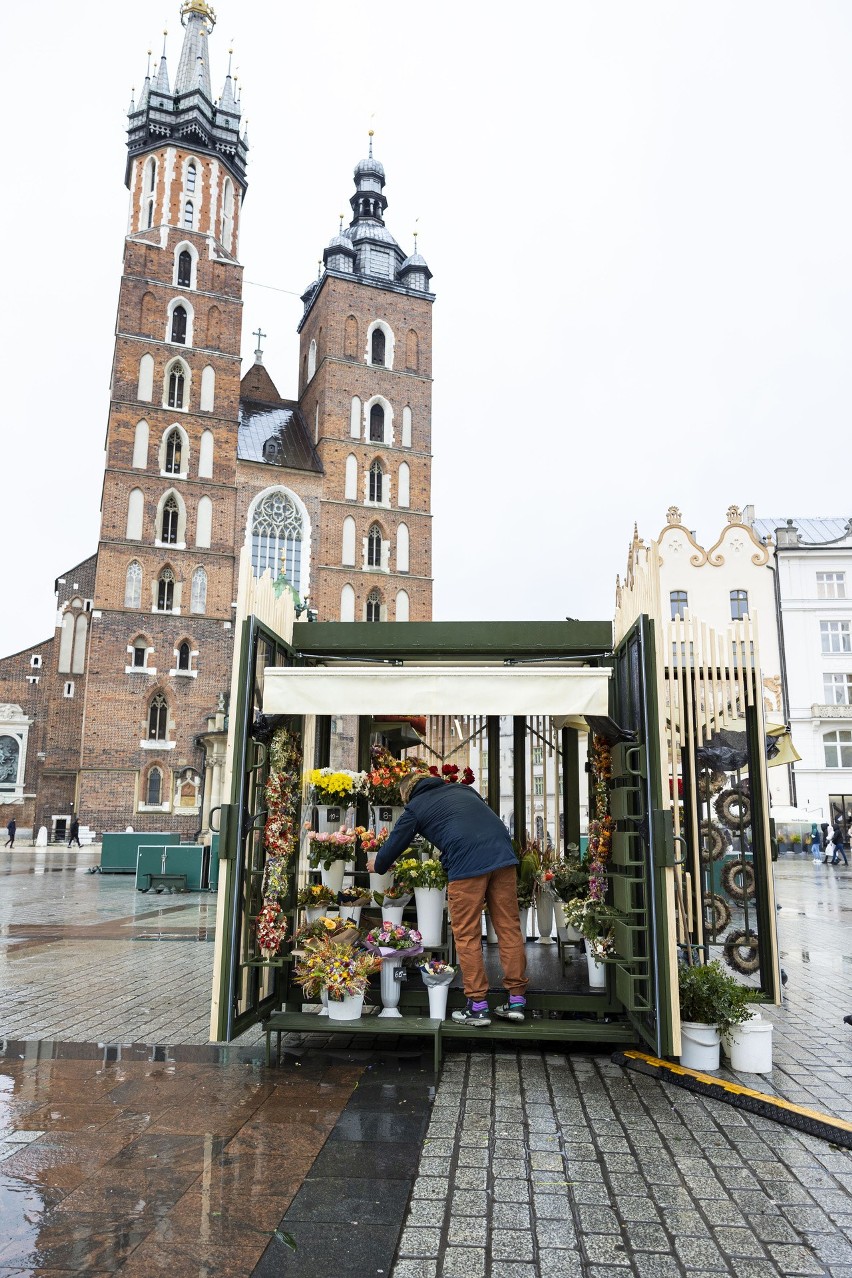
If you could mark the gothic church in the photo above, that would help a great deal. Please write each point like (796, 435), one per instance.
(120, 715)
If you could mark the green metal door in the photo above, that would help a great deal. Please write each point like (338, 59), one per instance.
(249, 989)
(642, 849)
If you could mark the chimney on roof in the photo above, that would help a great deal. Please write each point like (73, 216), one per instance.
(787, 536)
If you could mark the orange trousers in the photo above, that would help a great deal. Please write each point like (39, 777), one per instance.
(466, 897)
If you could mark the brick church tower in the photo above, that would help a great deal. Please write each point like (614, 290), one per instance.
(365, 390)
(161, 636)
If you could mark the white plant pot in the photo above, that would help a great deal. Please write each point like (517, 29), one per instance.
(544, 918)
(490, 934)
(332, 817)
(314, 912)
(385, 815)
(430, 913)
(573, 935)
(348, 1008)
(524, 917)
(700, 1045)
(333, 876)
(393, 914)
(597, 972)
(438, 1001)
(749, 1046)
(390, 986)
(381, 882)
(351, 912)
(324, 1000)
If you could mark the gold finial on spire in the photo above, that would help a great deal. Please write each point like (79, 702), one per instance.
(340, 231)
(202, 8)
(370, 136)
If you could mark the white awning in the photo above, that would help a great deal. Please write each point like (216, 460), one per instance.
(381, 690)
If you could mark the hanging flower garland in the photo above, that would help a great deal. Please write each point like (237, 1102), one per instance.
(281, 833)
(601, 828)
(271, 929)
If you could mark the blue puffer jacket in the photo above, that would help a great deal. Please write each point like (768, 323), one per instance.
(471, 838)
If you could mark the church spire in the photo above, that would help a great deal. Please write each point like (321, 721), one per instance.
(194, 67)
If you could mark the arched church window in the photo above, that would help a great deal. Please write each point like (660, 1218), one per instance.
(377, 419)
(188, 215)
(179, 325)
(374, 547)
(190, 178)
(377, 347)
(154, 789)
(177, 386)
(174, 446)
(169, 528)
(377, 482)
(374, 606)
(158, 719)
(133, 585)
(183, 656)
(140, 653)
(165, 591)
(198, 594)
(276, 537)
(184, 275)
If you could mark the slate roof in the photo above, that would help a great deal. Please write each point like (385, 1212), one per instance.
(264, 416)
(812, 532)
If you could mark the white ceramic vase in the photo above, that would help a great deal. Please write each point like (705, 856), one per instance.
(438, 1001)
(390, 986)
(430, 914)
(348, 1008)
(597, 971)
(393, 914)
(333, 876)
(544, 918)
(524, 918)
(381, 882)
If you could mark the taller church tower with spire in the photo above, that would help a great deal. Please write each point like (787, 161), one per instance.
(162, 610)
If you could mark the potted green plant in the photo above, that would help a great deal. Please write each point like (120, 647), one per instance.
(596, 921)
(712, 1002)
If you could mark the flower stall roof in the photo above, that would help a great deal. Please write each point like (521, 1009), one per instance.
(385, 690)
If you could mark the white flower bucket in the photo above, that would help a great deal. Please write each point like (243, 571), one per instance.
(390, 986)
(490, 933)
(430, 913)
(393, 914)
(324, 1000)
(333, 876)
(597, 971)
(351, 912)
(314, 912)
(331, 817)
(438, 1001)
(544, 918)
(381, 882)
(385, 814)
(700, 1045)
(348, 1008)
(749, 1046)
(524, 916)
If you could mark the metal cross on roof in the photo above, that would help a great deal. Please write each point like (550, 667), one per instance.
(258, 353)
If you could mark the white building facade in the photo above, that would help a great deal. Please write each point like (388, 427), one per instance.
(814, 570)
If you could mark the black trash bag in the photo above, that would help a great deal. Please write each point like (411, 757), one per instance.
(265, 726)
(612, 733)
(727, 751)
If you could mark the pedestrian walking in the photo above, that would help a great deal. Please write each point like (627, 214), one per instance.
(10, 830)
(838, 845)
(75, 833)
(481, 867)
(827, 836)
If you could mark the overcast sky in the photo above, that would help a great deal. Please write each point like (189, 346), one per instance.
(637, 215)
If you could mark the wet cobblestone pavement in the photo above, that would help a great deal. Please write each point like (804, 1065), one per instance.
(128, 1145)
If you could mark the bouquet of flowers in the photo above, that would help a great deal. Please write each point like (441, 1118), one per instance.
(325, 849)
(394, 938)
(336, 968)
(271, 928)
(596, 920)
(398, 895)
(526, 894)
(452, 773)
(336, 786)
(413, 873)
(372, 840)
(323, 929)
(314, 895)
(570, 877)
(386, 774)
(354, 896)
(275, 878)
(434, 972)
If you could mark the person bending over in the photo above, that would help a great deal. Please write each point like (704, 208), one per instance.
(481, 866)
